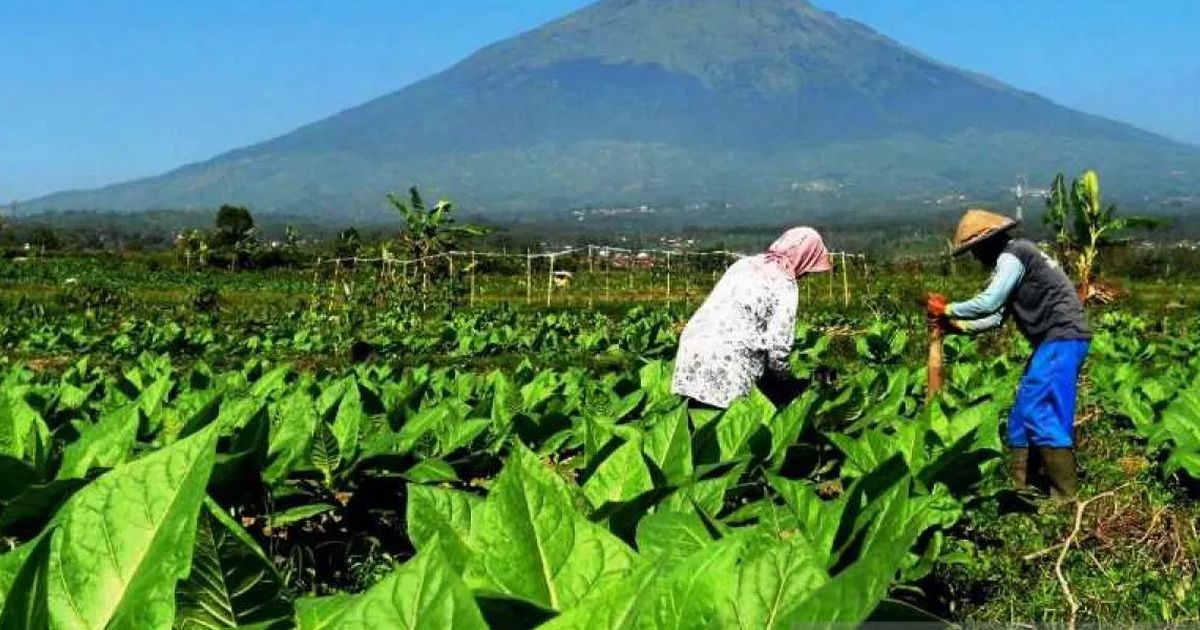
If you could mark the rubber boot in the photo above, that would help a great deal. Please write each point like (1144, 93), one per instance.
(1018, 467)
(1060, 468)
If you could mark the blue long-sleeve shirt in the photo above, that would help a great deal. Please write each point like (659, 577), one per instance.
(986, 311)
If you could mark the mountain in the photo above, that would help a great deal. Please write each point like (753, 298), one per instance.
(766, 104)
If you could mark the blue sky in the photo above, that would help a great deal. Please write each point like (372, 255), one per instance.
(98, 92)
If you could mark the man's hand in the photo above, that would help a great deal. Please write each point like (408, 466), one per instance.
(935, 305)
(953, 326)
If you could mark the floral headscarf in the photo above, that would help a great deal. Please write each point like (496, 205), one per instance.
(799, 251)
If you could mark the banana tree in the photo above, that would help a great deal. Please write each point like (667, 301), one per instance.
(195, 246)
(429, 232)
(1094, 224)
(1082, 226)
(1058, 211)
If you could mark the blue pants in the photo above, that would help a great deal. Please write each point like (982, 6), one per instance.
(1044, 411)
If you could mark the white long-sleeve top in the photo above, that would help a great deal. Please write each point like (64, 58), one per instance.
(746, 325)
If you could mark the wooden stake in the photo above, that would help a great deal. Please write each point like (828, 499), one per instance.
(845, 281)
(607, 269)
(687, 283)
(550, 281)
(668, 278)
(832, 261)
(528, 277)
(472, 279)
(936, 335)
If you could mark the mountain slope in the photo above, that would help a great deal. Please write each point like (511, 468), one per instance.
(673, 101)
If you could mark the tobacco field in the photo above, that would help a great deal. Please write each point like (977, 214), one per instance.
(501, 467)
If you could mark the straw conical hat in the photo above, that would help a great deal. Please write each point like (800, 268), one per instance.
(978, 226)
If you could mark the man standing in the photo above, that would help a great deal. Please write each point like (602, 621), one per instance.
(1030, 287)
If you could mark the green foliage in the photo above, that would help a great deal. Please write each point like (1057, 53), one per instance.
(427, 232)
(456, 486)
(349, 243)
(232, 583)
(119, 546)
(1082, 225)
(1058, 213)
(233, 225)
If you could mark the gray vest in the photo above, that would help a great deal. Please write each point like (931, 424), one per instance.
(1045, 305)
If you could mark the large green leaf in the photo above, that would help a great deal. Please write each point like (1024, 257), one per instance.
(425, 593)
(787, 426)
(17, 422)
(816, 520)
(151, 401)
(291, 434)
(655, 378)
(689, 595)
(668, 443)
(708, 494)
(431, 471)
(864, 453)
(23, 586)
(103, 445)
(596, 434)
(738, 424)
(534, 545)
(622, 476)
(348, 422)
(423, 423)
(320, 613)
(271, 382)
(671, 535)
(614, 607)
(232, 583)
(850, 597)
(125, 540)
(772, 584)
(446, 515)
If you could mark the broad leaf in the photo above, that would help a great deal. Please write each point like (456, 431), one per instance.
(535, 546)
(689, 595)
(291, 435)
(320, 613)
(668, 444)
(431, 471)
(615, 607)
(788, 425)
(773, 583)
(23, 586)
(671, 535)
(743, 419)
(103, 445)
(231, 583)
(17, 420)
(349, 420)
(446, 515)
(621, 477)
(816, 520)
(126, 539)
(850, 597)
(425, 593)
